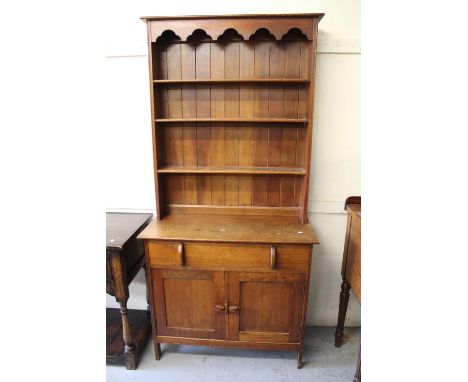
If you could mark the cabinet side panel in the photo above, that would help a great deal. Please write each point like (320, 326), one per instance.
(302, 113)
(312, 54)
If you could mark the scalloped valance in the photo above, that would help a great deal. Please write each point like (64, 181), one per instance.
(245, 26)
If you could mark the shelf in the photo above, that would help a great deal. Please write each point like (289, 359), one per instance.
(235, 81)
(254, 120)
(231, 170)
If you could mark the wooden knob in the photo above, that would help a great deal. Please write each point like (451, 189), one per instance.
(273, 257)
(180, 251)
(233, 308)
(221, 308)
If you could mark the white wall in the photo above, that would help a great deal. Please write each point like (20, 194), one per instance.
(336, 138)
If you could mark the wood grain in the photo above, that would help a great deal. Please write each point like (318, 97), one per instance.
(230, 228)
(230, 170)
(229, 256)
(234, 80)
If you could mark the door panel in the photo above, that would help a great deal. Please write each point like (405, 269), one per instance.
(264, 305)
(185, 303)
(270, 306)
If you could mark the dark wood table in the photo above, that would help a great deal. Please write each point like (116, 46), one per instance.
(350, 270)
(127, 330)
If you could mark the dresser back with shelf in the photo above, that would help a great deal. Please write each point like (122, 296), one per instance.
(232, 100)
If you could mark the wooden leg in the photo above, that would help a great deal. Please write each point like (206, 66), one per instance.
(148, 307)
(130, 355)
(357, 374)
(157, 346)
(157, 351)
(299, 358)
(344, 298)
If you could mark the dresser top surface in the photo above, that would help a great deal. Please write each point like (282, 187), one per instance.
(230, 228)
(246, 16)
(120, 227)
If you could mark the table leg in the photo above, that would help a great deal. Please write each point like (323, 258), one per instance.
(130, 355)
(344, 298)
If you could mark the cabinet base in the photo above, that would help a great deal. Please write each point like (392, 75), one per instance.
(232, 344)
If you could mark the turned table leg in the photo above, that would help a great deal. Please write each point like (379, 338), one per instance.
(344, 298)
(130, 356)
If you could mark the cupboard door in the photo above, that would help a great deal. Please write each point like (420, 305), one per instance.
(185, 302)
(265, 307)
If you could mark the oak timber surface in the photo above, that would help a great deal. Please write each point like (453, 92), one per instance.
(355, 208)
(230, 228)
(246, 16)
(121, 226)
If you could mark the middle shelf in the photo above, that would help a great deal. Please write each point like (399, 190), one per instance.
(231, 170)
(253, 120)
(233, 81)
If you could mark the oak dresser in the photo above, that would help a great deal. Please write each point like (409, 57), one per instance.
(229, 253)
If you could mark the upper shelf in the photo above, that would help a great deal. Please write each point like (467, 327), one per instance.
(231, 170)
(235, 81)
(253, 120)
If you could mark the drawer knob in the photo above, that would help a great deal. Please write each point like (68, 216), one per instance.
(273, 257)
(180, 251)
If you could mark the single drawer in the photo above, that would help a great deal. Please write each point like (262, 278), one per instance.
(208, 255)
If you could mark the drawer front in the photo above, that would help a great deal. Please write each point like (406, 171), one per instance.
(207, 255)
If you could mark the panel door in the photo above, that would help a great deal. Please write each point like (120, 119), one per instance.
(185, 303)
(265, 307)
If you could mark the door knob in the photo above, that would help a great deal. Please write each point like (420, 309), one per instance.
(221, 308)
(233, 308)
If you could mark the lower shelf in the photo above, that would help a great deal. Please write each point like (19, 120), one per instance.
(140, 327)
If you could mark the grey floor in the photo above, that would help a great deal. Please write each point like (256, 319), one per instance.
(323, 362)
